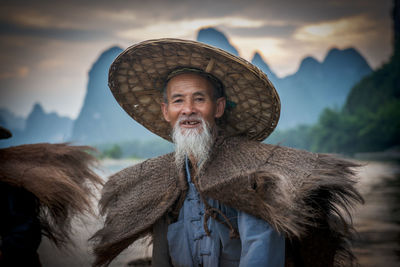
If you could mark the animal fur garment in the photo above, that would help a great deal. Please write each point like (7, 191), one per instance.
(59, 175)
(303, 195)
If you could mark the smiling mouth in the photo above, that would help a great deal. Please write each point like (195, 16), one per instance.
(190, 123)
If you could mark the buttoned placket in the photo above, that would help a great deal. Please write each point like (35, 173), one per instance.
(201, 242)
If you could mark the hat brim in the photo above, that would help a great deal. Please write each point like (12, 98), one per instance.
(137, 77)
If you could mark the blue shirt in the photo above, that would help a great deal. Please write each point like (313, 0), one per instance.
(259, 243)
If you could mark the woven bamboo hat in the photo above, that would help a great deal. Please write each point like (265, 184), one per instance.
(138, 75)
(4, 133)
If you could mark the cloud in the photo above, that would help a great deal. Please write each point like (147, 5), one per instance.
(20, 72)
(51, 63)
(371, 37)
(269, 29)
(85, 20)
(266, 45)
(105, 14)
(185, 27)
(353, 30)
(10, 29)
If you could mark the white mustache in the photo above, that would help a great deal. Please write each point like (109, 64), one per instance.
(190, 117)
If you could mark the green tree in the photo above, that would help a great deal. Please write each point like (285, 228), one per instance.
(114, 152)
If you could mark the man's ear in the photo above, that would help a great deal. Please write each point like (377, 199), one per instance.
(221, 103)
(164, 108)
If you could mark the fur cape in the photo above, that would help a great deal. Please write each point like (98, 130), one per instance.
(60, 177)
(303, 195)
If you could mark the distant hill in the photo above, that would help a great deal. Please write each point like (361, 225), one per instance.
(10, 120)
(40, 127)
(46, 127)
(370, 118)
(369, 121)
(216, 38)
(376, 90)
(262, 65)
(101, 119)
(315, 85)
(318, 85)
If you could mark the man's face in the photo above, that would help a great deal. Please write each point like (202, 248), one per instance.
(190, 96)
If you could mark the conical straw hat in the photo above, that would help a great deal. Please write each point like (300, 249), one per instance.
(138, 75)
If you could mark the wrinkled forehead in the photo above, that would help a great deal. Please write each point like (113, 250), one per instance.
(215, 84)
(189, 80)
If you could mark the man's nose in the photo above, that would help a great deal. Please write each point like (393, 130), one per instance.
(188, 108)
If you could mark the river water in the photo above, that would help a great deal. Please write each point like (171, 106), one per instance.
(377, 223)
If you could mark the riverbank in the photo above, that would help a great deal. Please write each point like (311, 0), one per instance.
(378, 221)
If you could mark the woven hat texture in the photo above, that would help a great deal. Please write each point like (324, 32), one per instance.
(138, 75)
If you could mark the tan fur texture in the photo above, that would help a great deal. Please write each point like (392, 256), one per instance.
(59, 175)
(301, 194)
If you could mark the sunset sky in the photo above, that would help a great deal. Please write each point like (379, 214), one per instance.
(47, 47)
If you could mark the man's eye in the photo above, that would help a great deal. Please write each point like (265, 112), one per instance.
(177, 101)
(199, 99)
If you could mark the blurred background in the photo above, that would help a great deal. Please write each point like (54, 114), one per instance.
(335, 65)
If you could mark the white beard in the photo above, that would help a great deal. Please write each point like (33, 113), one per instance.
(192, 142)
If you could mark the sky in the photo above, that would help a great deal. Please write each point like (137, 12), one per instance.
(48, 47)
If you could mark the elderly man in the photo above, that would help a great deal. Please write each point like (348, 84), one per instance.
(222, 198)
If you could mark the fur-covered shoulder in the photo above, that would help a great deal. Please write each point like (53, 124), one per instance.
(281, 177)
(133, 200)
(133, 178)
(304, 195)
(60, 177)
